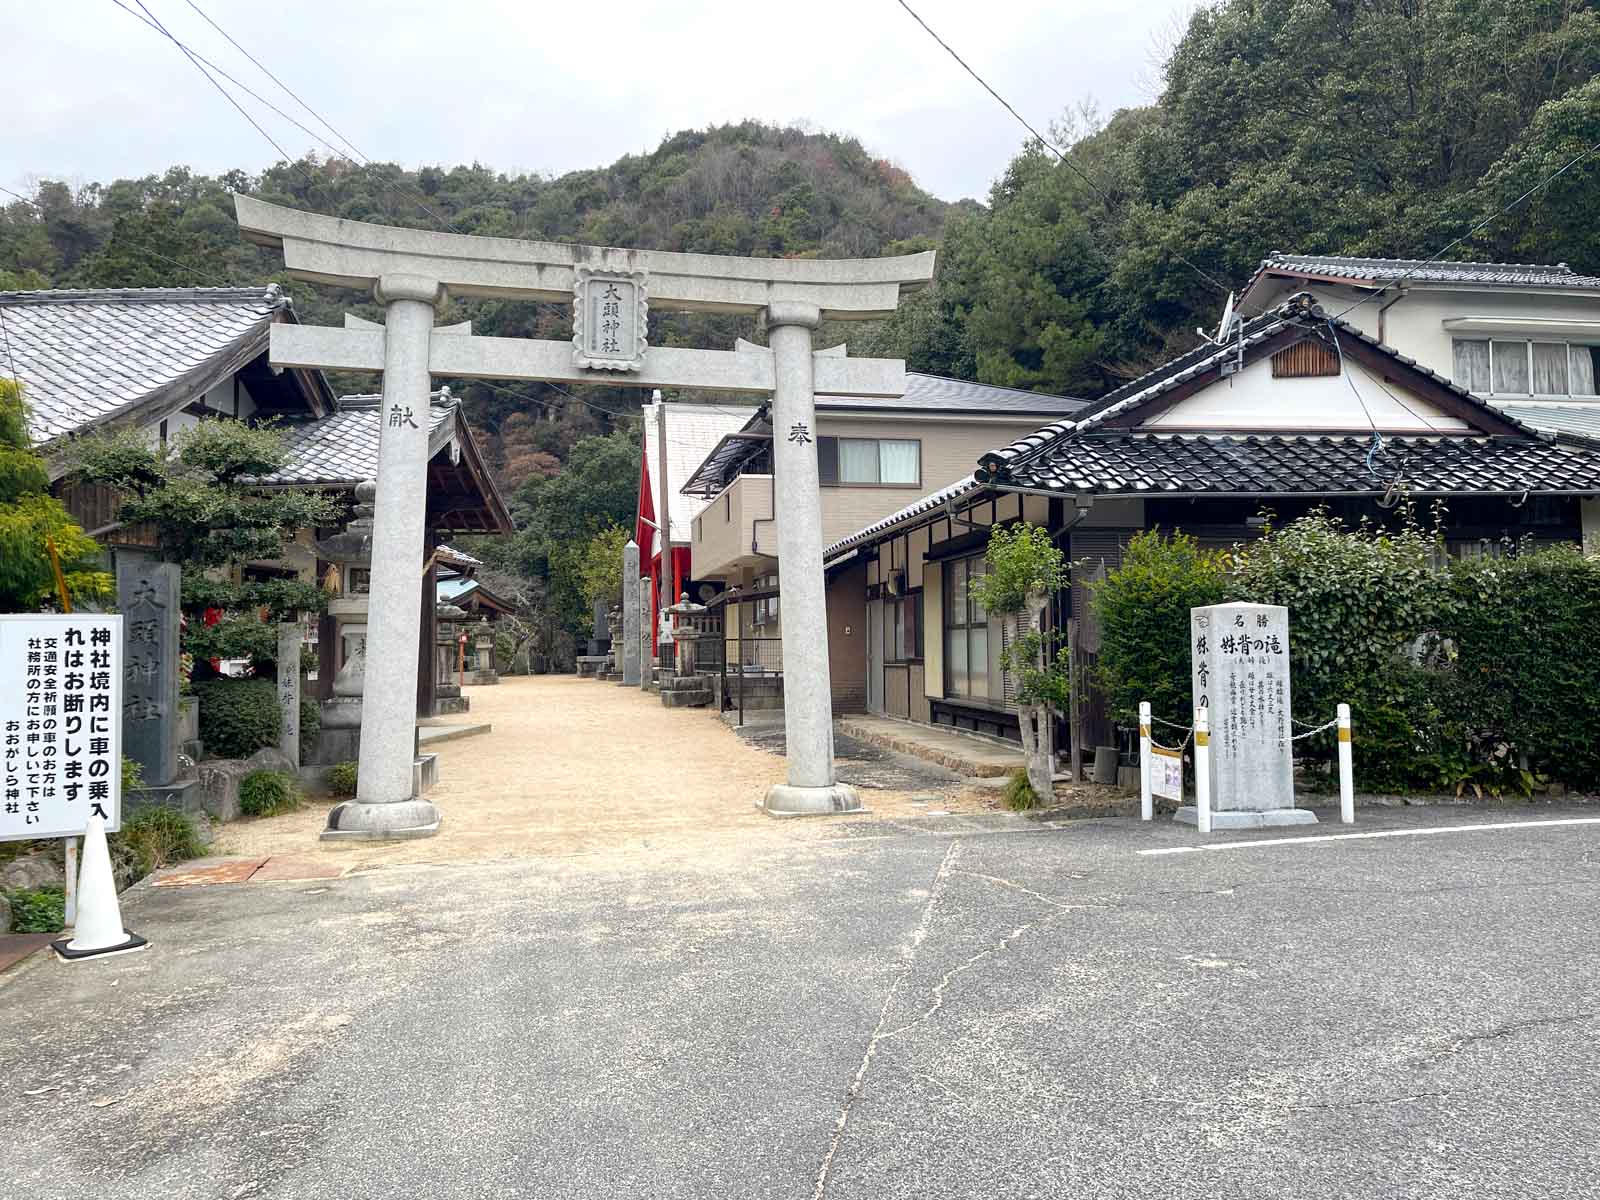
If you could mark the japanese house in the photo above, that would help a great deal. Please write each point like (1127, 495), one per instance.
(1524, 337)
(873, 456)
(1298, 408)
(159, 360)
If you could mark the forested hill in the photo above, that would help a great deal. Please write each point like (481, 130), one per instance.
(1366, 127)
(748, 189)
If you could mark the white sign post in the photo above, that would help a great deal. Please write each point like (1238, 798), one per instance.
(60, 724)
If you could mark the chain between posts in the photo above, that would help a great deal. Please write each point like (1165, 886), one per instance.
(1188, 732)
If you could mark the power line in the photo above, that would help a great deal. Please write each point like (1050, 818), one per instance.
(1045, 142)
(366, 163)
(201, 64)
(1478, 228)
(262, 67)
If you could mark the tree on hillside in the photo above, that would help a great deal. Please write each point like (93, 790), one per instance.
(31, 519)
(558, 516)
(1383, 128)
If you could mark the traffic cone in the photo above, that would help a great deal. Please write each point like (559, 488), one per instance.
(99, 927)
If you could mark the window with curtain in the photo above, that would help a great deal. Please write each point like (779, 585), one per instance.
(869, 460)
(902, 628)
(966, 632)
(1525, 367)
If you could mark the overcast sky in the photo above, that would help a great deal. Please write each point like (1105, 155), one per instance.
(525, 85)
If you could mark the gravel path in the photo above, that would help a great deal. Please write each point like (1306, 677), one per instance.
(576, 766)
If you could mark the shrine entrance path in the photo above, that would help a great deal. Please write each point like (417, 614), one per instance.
(581, 767)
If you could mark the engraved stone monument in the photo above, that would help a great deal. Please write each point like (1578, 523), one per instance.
(1240, 666)
(290, 636)
(630, 614)
(147, 594)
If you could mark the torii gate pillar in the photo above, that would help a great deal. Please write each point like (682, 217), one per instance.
(386, 804)
(807, 691)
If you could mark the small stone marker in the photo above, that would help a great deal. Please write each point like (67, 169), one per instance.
(1240, 665)
(147, 594)
(630, 614)
(290, 635)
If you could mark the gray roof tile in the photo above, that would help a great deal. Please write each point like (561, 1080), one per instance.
(342, 449)
(1386, 270)
(85, 357)
(935, 393)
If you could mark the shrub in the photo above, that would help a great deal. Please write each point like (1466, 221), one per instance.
(342, 779)
(152, 837)
(38, 910)
(237, 716)
(132, 776)
(268, 793)
(1478, 675)
(310, 726)
(1526, 635)
(1018, 793)
(1143, 611)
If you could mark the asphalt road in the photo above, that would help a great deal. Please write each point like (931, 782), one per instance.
(909, 1011)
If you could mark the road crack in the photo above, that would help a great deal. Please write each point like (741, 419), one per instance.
(918, 936)
(1506, 1030)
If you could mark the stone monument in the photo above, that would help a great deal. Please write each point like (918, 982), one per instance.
(147, 595)
(290, 636)
(1240, 666)
(612, 290)
(630, 614)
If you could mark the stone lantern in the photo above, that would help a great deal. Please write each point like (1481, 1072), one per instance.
(446, 650)
(349, 582)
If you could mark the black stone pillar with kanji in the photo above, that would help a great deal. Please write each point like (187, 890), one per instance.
(147, 596)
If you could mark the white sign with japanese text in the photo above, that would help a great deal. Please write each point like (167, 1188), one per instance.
(60, 724)
(1241, 675)
(1166, 773)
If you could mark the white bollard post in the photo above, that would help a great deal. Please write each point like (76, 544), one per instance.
(1146, 801)
(1347, 783)
(1202, 769)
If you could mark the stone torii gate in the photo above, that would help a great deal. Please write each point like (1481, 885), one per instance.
(411, 272)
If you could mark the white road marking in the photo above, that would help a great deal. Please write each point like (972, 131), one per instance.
(1377, 833)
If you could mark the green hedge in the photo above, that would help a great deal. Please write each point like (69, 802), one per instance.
(237, 716)
(1477, 675)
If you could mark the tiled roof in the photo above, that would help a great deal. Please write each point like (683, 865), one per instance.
(1386, 270)
(916, 508)
(343, 448)
(1297, 311)
(1578, 420)
(1153, 464)
(693, 430)
(458, 557)
(85, 357)
(935, 393)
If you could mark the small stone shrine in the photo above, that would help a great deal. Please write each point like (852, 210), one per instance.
(1240, 665)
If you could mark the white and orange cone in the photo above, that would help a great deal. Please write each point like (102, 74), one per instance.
(99, 928)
